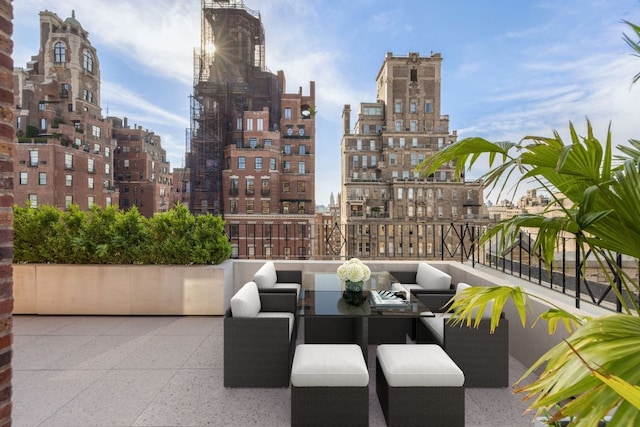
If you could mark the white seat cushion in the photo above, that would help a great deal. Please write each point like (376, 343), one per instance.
(266, 276)
(435, 325)
(276, 314)
(246, 302)
(295, 286)
(419, 365)
(431, 278)
(486, 314)
(329, 365)
(410, 286)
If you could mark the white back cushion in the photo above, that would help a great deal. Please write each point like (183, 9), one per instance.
(266, 276)
(431, 278)
(488, 309)
(246, 302)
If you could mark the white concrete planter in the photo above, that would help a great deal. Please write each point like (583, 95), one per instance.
(122, 289)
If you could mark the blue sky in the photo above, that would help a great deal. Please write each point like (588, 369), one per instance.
(510, 68)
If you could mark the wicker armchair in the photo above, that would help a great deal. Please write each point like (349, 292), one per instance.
(271, 280)
(259, 344)
(483, 356)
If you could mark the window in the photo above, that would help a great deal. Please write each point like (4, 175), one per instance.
(410, 194)
(249, 124)
(43, 124)
(59, 52)
(355, 161)
(285, 207)
(68, 161)
(107, 168)
(90, 182)
(287, 166)
(272, 164)
(302, 149)
(390, 142)
(414, 75)
(286, 186)
(259, 124)
(87, 95)
(41, 106)
(33, 200)
(374, 161)
(364, 162)
(365, 129)
(400, 193)
(233, 206)
(258, 163)
(398, 125)
(241, 162)
(266, 184)
(440, 142)
(301, 167)
(125, 163)
(249, 205)
(87, 61)
(413, 126)
(90, 201)
(428, 107)
(301, 210)
(68, 180)
(96, 132)
(287, 113)
(414, 159)
(392, 159)
(233, 186)
(397, 107)
(268, 142)
(23, 178)
(405, 174)
(372, 144)
(265, 206)
(42, 178)
(413, 107)
(470, 195)
(107, 152)
(300, 130)
(239, 123)
(302, 187)
(402, 142)
(250, 187)
(414, 142)
(287, 149)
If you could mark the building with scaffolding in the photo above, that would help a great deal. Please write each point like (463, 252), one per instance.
(250, 149)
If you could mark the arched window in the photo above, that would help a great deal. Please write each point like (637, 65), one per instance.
(59, 52)
(87, 61)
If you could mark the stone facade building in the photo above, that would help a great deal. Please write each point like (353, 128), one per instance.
(65, 150)
(252, 145)
(141, 169)
(387, 208)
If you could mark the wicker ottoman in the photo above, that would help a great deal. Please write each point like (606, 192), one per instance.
(419, 385)
(329, 386)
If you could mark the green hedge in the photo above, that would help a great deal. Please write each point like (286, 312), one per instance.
(111, 236)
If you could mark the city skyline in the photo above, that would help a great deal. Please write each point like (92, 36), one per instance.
(509, 69)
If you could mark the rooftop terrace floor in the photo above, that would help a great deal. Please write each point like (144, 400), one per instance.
(168, 371)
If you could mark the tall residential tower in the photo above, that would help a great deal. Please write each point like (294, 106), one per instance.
(388, 209)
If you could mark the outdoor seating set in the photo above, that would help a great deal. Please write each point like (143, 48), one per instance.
(330, 381)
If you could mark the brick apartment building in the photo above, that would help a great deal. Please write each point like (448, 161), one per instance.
(387, 208)
(141, 169)
(68, 153)
(65, 148)
(252, 147)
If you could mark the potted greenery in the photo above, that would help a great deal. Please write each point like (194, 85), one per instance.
(593, 373)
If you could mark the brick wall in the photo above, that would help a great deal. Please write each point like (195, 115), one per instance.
(6, 203)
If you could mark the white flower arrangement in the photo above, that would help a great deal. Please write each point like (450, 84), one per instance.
(354, 271)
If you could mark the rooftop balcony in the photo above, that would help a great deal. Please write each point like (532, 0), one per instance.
(165, 370)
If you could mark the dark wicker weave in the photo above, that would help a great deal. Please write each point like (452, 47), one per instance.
(289, 276)
(482, 356)
(420, 406)
(330, 406)
(337, 330)
(388, 330)
(258, 351)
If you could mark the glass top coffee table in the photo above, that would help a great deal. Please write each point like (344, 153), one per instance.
(333, 316)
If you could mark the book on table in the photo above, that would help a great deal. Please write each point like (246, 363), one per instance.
(387, 299)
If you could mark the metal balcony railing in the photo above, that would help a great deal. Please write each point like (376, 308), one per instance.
(572, 274)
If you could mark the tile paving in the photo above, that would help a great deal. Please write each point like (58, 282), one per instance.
(167, 371)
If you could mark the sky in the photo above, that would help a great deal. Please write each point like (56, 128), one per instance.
(510, 68)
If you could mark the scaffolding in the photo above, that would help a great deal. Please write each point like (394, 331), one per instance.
(230, 77)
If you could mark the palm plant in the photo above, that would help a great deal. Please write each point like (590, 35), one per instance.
(596, 196)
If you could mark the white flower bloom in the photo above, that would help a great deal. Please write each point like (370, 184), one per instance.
(354, 271)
